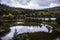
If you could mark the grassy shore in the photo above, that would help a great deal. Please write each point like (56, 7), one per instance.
(42, 35)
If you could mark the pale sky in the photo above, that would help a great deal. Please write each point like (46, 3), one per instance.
(31, 4)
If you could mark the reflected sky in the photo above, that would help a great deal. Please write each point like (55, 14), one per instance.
(25, 29)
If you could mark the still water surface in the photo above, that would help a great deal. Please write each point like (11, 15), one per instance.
(25, 29)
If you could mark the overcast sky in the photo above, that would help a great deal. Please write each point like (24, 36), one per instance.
(31, 4)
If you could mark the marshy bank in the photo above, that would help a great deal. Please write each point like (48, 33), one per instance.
(33, 32)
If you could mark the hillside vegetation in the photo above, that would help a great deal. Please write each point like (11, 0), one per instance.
(10, 16)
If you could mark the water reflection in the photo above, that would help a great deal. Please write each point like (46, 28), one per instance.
(25, 29)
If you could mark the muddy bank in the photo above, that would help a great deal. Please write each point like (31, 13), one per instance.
(43, 35)
(4, 32)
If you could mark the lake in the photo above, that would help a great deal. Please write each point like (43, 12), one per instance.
(28, 29)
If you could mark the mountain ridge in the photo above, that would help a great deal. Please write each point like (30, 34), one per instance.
(7, 8)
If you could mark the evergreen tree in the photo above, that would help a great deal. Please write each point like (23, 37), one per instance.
(15, 35)
(58, 20)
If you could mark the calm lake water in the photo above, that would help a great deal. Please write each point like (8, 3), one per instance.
(43, 18)
(25, 29)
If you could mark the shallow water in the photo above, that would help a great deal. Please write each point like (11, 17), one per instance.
(25, 29)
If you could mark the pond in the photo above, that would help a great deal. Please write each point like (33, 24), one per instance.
(27, 29)
(43, 18)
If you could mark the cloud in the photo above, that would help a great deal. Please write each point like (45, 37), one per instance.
(54, 4)
(31, 4)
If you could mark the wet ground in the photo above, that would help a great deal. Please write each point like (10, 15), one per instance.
(34, 32)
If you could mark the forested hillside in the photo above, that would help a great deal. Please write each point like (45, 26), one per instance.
(19, 14)
(10, 16)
